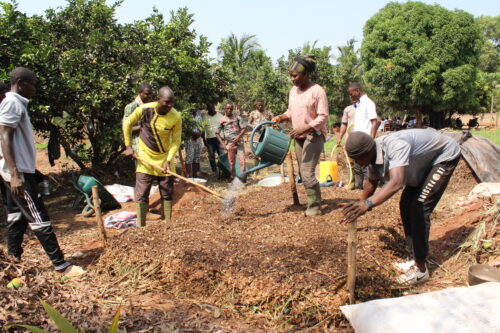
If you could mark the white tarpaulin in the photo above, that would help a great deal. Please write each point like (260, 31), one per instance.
(458, 310)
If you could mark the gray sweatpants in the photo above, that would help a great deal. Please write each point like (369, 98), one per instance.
(308, 152)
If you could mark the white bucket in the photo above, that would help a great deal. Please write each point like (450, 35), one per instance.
(271, 181)
(198, 180)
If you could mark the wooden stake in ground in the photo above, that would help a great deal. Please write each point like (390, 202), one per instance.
(97, 210)
(183, 165)
(352, 244)
(291, 179)
(282, 172)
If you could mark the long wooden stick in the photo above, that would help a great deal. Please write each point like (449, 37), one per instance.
(352, 244)
(183, 165)
(180, 177)
(348, 160)
(97, 208)
(291, 179)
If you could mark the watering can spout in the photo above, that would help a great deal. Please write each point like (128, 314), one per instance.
(244, 175)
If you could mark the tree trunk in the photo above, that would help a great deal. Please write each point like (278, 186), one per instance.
(418, 116)
(70, 153)
(113, 156)
(437, 119)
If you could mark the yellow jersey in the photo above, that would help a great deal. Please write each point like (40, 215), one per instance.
(159, 137)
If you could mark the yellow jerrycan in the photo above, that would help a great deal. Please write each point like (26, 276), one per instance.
(328, 171)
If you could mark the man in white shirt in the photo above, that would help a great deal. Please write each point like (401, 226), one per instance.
(347, 121)
(365, 120)
(24, 203)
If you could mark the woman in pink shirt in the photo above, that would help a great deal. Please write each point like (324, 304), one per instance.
(308, 112)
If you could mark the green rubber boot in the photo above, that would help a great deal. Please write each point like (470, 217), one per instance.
(166, 209)
(142, 210)
(313, 201)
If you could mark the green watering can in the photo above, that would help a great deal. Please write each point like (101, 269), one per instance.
(268, 143)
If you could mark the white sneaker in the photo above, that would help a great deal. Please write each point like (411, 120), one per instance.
(413, 276)
(403, 266)
(73, 271)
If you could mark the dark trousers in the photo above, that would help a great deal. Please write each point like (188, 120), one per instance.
(360, 173)
(143, 183)
(30, 211)
(213, 146)
(417, 204)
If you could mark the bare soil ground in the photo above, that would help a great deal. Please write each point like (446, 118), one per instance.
(265, 269)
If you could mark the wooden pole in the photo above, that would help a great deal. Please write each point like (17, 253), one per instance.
(183, 165)
(97, 209)
(180, 177)
(282, 172)
(352, 243)
(291, 178)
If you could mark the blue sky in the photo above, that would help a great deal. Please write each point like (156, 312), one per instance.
(278, 25)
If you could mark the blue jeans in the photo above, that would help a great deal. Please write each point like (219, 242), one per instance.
(213, 146)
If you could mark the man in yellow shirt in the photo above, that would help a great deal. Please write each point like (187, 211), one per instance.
(159, 141)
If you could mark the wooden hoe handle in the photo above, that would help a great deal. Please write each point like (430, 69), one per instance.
(179, 176)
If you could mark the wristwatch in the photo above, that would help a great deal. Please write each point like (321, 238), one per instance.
(369, 204)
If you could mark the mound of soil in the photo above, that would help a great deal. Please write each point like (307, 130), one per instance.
(268, 259)
(267, 268)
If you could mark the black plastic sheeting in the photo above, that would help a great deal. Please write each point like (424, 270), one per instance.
(482, 155)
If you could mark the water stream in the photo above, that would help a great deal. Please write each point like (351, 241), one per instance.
(232, 194)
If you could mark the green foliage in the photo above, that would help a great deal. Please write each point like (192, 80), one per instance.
(347, 70)
(490, 53)
(421, 57)
(89, 67)
(490, 25)
(63, 324)
(257, 77)
(249, 71)
(235, 52)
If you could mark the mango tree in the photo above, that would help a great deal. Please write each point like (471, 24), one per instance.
(422, 58)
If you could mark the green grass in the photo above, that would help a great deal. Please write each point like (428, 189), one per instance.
(41, 146)
(492, 135)
(328, 145)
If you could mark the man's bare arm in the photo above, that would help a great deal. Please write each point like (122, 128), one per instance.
(373, 131)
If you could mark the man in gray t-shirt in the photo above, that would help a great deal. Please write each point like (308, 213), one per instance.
(25, 206)
(420, 160)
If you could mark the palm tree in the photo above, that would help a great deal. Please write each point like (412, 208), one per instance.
(235, 52)
(308, 47)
